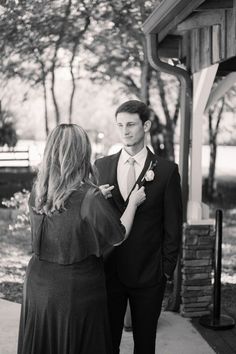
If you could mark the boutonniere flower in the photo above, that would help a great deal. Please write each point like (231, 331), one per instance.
(149, 175)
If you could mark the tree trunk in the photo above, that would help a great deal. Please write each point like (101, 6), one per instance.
(169, 142)
(177, 109)
(157, 138)
(45, 108)
(54, 59)
(213, 133)
(45, 98)
(76, 44)
(169, 128)
(54, 97)
(72, 95)
(211, 174)
(145, 76)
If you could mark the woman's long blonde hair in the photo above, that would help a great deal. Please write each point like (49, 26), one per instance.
(65, 166)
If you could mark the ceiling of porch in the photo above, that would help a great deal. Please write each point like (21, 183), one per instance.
(198, 33)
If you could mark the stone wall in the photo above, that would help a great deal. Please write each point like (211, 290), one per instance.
(197, 264)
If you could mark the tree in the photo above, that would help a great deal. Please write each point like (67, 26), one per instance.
(215, 115)
(7, 129)
(119, 53)
(38, 37)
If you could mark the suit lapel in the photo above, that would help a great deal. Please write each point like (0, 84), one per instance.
(116, 195)
(151, 158)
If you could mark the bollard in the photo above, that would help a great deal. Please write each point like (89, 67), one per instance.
(217, 321)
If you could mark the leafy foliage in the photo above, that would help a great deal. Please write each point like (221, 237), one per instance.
(215, 115)
(19, 201)
(118, 52)
(8, 134)
(38, 37)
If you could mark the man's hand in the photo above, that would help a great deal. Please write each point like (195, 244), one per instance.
(106, 190)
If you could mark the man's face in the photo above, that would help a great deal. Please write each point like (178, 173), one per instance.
(131, 129)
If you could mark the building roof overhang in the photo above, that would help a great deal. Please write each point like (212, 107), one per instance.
(205, 26)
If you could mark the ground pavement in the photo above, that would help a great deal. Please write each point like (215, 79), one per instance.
(175, 334)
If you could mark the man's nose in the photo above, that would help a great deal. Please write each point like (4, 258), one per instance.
(125, 130)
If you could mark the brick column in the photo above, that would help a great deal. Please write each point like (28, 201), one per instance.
(197, 261)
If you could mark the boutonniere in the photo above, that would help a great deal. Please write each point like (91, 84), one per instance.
(149, 175)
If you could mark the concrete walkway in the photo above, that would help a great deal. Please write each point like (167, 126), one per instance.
(175, 334)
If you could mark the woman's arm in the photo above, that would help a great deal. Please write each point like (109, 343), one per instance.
(136, 198)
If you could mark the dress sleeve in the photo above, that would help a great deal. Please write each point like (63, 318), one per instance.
(36, 223)
(105, 226)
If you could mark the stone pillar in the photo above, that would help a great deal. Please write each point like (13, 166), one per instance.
(197, 261)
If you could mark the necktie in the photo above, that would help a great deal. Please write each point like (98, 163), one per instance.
(131, 178)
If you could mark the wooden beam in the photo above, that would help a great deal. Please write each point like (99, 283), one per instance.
(177, 18)
(202, 84)
(220, 90)
(216, 42)
(186, 50)
(213, 5)
(195, 50)
(167, 15)
(205, 47)
(200, 20)
(231, 33)
(234, 14)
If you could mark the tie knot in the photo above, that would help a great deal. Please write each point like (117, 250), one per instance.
(131, 160)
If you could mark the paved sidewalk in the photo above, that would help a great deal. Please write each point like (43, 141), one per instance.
(175, 334)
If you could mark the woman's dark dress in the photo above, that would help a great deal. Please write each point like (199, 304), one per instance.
(64, 307)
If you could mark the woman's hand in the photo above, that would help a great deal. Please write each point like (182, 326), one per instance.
(106, 190)
(137, 196)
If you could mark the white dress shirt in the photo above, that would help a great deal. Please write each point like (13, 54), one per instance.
(123, 167)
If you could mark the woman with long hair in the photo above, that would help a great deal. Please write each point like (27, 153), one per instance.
(64, 308)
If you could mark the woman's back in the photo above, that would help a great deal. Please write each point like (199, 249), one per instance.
(86, 227)
(64, 309)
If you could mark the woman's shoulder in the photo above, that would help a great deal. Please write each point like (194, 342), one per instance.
(86, 189)
(92, 191)
(86, 193)
(93, 200)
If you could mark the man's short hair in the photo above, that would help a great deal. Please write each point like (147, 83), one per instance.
(134, 106)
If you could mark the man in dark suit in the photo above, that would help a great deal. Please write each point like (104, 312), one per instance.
(138, 269)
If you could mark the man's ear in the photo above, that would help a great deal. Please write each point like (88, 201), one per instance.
(147, 126)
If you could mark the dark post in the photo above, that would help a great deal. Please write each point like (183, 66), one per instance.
(217, 267)
(217, 321)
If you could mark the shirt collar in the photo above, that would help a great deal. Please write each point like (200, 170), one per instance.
(140, 157)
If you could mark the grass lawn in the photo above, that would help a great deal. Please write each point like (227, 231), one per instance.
(15, 252)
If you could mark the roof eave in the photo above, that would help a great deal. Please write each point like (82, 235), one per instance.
(167, 15)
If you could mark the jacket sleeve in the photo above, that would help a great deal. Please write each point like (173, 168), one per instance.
(172, 222)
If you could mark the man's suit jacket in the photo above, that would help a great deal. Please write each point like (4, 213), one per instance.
(151, 248)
